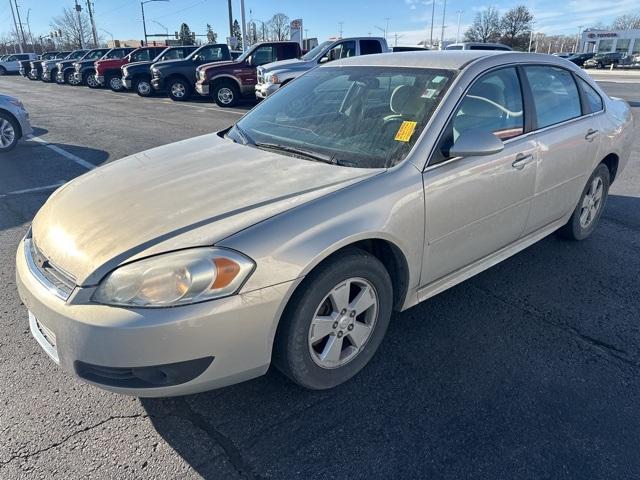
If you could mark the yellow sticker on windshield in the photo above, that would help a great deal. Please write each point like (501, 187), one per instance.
(406, 131)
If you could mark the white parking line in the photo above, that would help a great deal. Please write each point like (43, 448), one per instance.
(33, 190)
(64, 153)
(223, 110)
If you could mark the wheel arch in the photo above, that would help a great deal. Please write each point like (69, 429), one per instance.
(612, 162)
(225, 76)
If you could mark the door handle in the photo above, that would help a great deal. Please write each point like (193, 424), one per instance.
(591, 134)
(521, 160)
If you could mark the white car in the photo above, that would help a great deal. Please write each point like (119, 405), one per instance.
(12, 63)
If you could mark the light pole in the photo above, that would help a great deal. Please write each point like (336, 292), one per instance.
(578, 39)
(460, 12)
(78, 10)
(533, 24)
(29, 29)
(444, 12)
(144, 24)
(433, 16)
(244, 27)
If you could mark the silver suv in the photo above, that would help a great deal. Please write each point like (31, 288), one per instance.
(14, 122)
(11, 64)
(274, 75)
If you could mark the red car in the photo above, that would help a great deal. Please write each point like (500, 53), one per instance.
(108, 71)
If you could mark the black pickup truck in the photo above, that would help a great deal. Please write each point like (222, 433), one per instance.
(66, 68)
(177, 77)
(85, 69)
(137, 75)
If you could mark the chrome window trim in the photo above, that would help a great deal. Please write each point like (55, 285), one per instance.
(35, 271)
(429, 167)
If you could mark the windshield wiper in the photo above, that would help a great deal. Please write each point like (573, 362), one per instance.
(300, 152)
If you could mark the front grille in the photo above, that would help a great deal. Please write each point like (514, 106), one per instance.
(55, 276)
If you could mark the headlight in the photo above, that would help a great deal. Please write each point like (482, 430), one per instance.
(201, 75)
(177, 278)
(273, 78)
(125, 72)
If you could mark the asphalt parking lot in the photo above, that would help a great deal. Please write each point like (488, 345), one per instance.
(528, 370)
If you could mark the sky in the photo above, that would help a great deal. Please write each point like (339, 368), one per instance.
(410, 20)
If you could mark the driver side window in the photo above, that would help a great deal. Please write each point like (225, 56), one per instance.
(342, 50)
(493, 104)
(263, 55)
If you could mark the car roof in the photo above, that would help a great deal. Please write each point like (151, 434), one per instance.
(444, 59)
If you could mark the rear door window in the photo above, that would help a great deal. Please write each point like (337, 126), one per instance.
(368, 47)
(289, 50)
(555, 95)
(594, 100)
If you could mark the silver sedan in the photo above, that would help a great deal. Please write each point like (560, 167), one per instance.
(366, 186)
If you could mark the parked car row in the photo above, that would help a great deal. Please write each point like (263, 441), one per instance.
(211, 70)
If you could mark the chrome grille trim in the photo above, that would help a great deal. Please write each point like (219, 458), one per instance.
(53, 279)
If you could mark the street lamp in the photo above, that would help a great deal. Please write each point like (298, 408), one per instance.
(111, 35)
(166, 30)
(144, 24)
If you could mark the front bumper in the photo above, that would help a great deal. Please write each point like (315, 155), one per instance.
(157, 84)
(22, 72)
(202, 89)
(46, 75)
(77, 76)
(33, 74)
(127, 83)
(236, 331)
(263, 90)
(100, 79)
(23, 119)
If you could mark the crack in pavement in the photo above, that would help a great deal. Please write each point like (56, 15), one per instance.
(231, 451)
(68, 437)
(607, 348)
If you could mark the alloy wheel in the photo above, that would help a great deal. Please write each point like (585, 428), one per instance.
(91, 80)
(178, 90)
(591, 203)
(144, 88)
(115, 83)
(343, 323)
(7, 133)
(225, 95)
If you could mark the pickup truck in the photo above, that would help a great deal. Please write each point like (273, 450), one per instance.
(227, 82)
(274, 75)
(178, 76)
(137, 75)
(109, 71)
(35, 66)
(85, 69)
(66, 68)
(11, 64)
(49, 68)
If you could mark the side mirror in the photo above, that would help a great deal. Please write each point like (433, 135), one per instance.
(250, 60)
(476, 143)
(324, 59)
(197, 58)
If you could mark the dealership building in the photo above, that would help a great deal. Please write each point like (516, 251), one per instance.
(603, 41)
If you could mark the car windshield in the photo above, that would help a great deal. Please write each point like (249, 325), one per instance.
(366, 117)
(316, 51)
(171, 54)
(94, 54)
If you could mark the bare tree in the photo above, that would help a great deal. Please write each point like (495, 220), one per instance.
(68, 24)
(516, 27)
(279, 26)
(485, 27)
(626, 22)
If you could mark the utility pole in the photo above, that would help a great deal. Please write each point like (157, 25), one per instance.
(433, 15)
(20, 24)
(460, 12)
(78, 10)
(15, 25)
(444, 12)
(33, 43)
(230, 20)
(578, 39)
(386, 30)
(244, 27)
(533, 24)
(93, 24)
(340, 31)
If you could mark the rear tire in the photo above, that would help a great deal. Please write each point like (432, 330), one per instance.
(142, 87)
(9, 133)
(320, 343)
(594, 196)
(3, 71)
(179, 90)
(225, 93)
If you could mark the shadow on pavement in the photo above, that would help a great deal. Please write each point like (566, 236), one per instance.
(526, 370)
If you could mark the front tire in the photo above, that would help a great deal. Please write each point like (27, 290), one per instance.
(142, 87)
(89, 79)
(178, 89)
(69, 78)
(114, 82)
(335, 321)
(225, 93)
(8, 133)
(587, 214)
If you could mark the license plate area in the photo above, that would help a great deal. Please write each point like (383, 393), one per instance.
(45, 337)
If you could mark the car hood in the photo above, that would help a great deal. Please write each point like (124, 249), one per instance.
(191, 193)
(222, 64)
